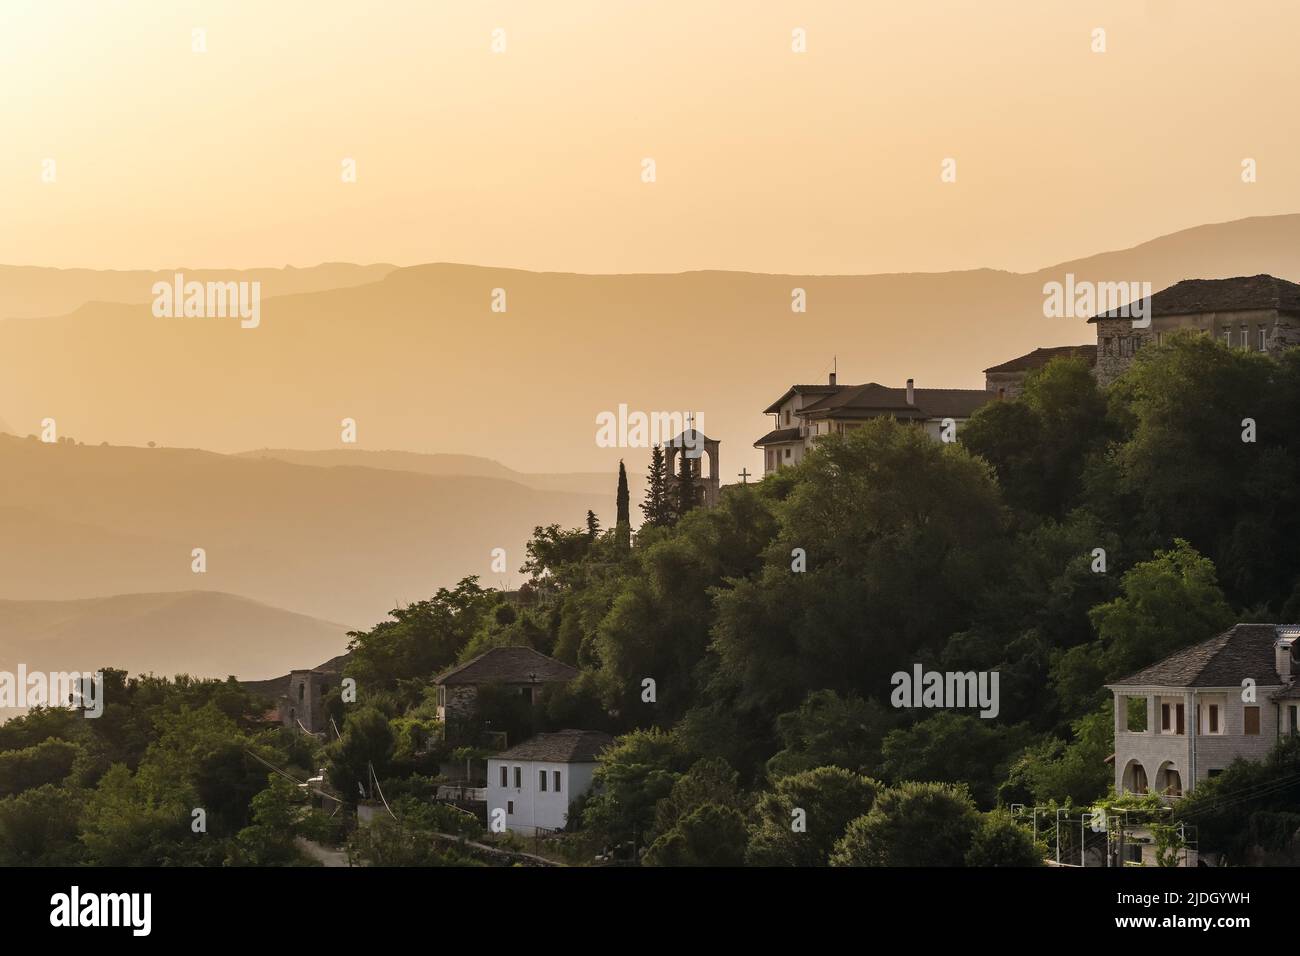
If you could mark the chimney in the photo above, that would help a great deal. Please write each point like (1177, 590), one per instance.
(911, 392)
(832, 378)
(1282, 658)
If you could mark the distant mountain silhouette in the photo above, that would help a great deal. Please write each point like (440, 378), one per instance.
(201, 633)
(344, 544)
(421, 362)
(28, 291)
(594, 482)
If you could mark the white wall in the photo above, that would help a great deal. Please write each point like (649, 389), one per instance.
(532, 807)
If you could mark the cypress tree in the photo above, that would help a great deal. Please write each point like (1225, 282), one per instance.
(593, 525)
(657, 507)
(623, 529)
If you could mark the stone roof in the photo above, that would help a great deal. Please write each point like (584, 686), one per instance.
(563, 746)
(801, 390)
(509, 665)
(871, 399)
(1225, 660)
(1239, 294)
(1040, 357)
(778, 436)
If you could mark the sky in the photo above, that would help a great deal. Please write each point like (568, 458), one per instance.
(826, 161)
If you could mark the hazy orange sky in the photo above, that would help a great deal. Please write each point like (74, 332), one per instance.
(767, 160)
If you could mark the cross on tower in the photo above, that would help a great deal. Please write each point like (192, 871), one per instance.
(744, 476)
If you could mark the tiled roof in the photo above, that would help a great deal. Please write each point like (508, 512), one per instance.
(1225, 660)
(564, 746)
(1240, 294)
(1040, 357)
(778, 436)
(801, 390)
(509, 665)
(865, 401)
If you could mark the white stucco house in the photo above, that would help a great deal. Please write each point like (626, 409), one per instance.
(808, 412)
(537, 781)
(1185, 718)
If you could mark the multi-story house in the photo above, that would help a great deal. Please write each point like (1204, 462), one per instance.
(808, 412)
(1186, 718)
(1249, 312)
(532, 786)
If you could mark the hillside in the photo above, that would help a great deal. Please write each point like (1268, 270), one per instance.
(201, 633)
(342, 543)
(420, 361)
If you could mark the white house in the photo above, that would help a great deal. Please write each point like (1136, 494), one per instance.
(536, 782)
(808, 412)
(1186, 718)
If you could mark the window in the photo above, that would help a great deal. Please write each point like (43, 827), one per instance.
(1251, 715)
(301, 689)
(510, 806)
(1214, 718)
(1171, 718)
(1263, 338)
(1214, 772)
(787, 418)
(505, 777)
(519, 778)
(1137, 714)
(1245, 336)
(541, 781)
(1293, 713)
(1227, 337)
(1173, 783)
(787, 453)
(557, 781)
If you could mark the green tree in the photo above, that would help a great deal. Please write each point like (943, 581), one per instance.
(593, 525)
(710, 835)
(1001, 841)
(657, 507)
(367, 742)
(913, 824)
(631, 778)
(831, 730)
(800, 820)
(954, 748)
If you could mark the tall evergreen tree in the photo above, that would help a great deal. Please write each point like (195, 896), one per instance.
(623, 529)
(657, 507)
(624, 516)
(593, 524)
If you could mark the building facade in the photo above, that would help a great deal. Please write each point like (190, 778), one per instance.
(1260, 312)
(519, 670)
(1186, 718)
(532, 786)
(1008, 379)
(806, 413)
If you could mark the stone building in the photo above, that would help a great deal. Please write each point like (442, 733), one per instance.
(1186, 718)
(695, 446)
(303, 703)
(519, 670)
(808, 412)
(1008, 379)
(1249, 312)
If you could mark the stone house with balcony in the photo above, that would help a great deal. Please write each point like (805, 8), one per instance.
(1250, 312)
(808, 412)
(517, 670)
(1184, 719)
